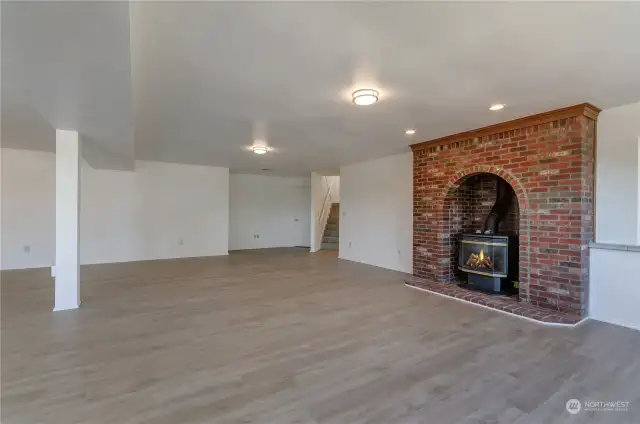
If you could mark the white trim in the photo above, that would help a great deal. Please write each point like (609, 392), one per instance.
(550, 324)
(59, 308)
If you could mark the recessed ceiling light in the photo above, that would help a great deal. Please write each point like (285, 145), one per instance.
(410, 132)
(496, 106)
(259, 150)
(365, 96)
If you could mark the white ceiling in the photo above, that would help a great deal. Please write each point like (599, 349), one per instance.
(66, 65)
(196, 82)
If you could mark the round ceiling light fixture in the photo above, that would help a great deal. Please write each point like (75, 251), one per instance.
(365, 96)
(410, 132)
(260, 150)
(497, 106)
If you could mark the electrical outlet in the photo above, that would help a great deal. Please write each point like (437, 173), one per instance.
(27, 249)
(181, 242)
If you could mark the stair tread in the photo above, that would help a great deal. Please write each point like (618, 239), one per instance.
(331, 235)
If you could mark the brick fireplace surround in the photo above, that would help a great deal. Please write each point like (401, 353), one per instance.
(548, 159)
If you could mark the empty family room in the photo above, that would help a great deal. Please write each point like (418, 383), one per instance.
(226, 212)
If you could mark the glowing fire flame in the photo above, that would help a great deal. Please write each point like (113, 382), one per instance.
(480, 260)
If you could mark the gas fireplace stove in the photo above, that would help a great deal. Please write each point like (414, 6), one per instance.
(490, 261)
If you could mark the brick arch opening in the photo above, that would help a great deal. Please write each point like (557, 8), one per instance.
(457, 179)
(463, 205)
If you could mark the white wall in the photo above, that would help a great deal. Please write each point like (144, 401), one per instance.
(28, 209)
(376, 212)
(617, 170)
(335, 189)
(1, 207)
(159, 211)
(314, 210)
(275, 208)
(614, 292)
(615, 287)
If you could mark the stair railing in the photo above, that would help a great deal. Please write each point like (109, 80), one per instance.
(323, 216)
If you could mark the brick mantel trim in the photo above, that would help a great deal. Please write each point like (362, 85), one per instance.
(584, 109)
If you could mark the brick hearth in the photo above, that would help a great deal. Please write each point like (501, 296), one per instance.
(508, 304)
(548, 161)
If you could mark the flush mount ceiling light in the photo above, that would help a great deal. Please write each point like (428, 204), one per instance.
(410, 132)
(365, 96)
(259, 150)
(496, 106)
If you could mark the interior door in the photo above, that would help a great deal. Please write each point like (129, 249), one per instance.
(301, 208)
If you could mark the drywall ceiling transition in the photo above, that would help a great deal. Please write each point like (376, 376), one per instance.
(196, 82)
(67, 65)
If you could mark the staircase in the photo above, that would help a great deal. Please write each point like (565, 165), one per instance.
(331, 236)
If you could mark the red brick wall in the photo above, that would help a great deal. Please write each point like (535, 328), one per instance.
(550, 167)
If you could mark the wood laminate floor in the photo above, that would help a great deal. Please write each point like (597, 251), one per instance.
(282, 336)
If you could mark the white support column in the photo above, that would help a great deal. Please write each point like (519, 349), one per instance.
(638, 198)
(67, 272)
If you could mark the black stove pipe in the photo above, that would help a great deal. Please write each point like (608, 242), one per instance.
(504, 197)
